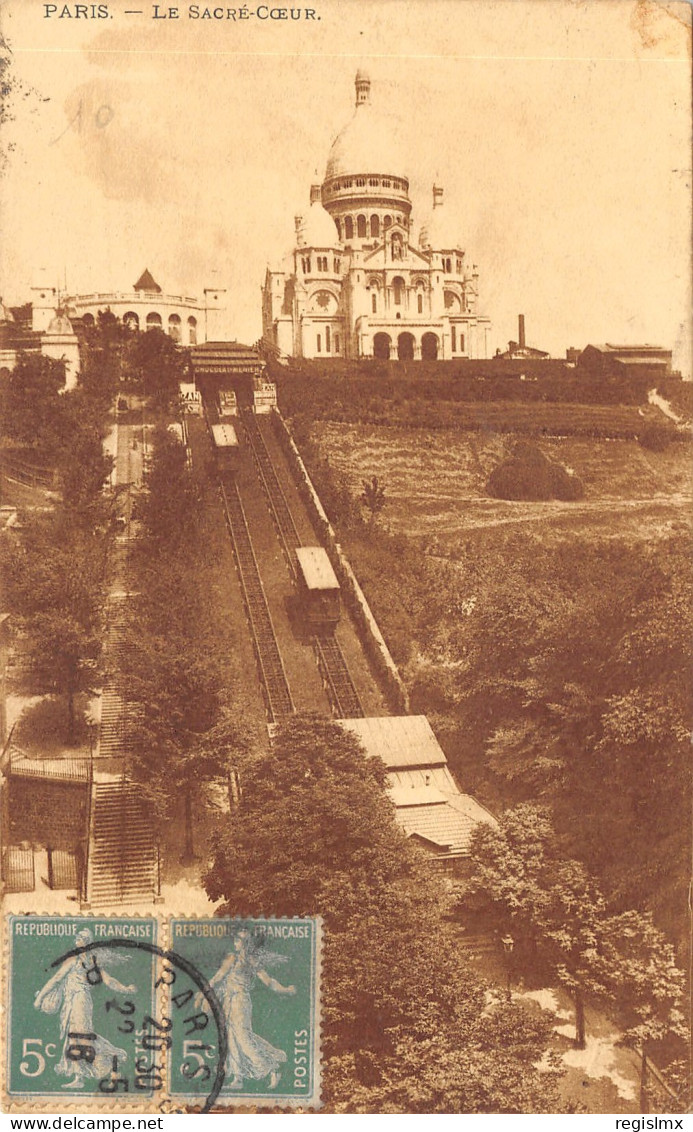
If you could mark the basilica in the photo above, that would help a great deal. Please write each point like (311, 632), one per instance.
(356, 285)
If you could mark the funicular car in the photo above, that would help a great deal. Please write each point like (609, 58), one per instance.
(318, 588)
(225, 444)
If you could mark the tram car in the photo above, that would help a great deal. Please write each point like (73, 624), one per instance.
(228, 405)
(225, 444)
(318, 588)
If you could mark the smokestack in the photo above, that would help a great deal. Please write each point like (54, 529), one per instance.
(521, 329)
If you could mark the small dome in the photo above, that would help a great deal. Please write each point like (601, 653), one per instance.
(439, 232)
(60, 324)
(367, 143)
(319, 229)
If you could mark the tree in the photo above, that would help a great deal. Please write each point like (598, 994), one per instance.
(33, 407)
(406, 1027)
(55, 582)
(373, 497)
(171, 507)
(554, 909)
(173, 675)
(159, 364)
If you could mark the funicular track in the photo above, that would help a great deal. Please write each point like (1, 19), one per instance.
(342, 692)
(331, 662)
(275, 684)
(281, 512)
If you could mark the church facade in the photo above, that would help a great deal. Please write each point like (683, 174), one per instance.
(356, 284)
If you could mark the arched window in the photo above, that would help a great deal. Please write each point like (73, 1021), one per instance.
(453, 339)
(337, 265)
(174, 327)
(153, 321)
(398, 290)
(374, 302)
(348, 228)
(131, 319)
(192, 330)
(387, 222)
(327, 339)
(361, 227)
(319, 344)
(461, 343)
(429, 347)
(381, 346)
(419, 303)
(375, 224)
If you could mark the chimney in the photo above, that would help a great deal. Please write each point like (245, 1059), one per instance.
(298, 222)
(437, 195)
(521, 330)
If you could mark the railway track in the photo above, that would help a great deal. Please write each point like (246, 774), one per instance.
(342, 692)
(274, 682)
(340, 686)
(281, 512)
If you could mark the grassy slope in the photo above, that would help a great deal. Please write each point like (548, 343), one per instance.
(435, 484)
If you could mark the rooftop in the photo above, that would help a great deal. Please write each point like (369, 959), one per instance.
(316, 568)
(399, 740)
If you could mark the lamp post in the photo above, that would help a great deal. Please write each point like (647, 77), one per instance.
(508, 945)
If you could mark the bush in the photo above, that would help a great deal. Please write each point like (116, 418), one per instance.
(529, 475)
(656, 436)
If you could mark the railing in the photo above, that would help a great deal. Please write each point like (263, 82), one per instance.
(18, 869)
(63, 868)
(65, 770)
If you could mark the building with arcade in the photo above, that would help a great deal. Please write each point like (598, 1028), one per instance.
(358, 283)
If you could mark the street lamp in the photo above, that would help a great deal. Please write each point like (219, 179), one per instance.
(508, 945)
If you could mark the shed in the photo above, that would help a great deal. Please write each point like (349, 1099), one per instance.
(428, 802)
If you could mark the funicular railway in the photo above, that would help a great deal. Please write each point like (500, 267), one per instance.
(333, 666)
(337, 680)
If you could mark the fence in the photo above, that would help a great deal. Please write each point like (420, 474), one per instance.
(352, 594)
(63, 869)
(18, 869)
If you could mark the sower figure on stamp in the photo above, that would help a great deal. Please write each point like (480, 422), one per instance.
(69, 991)
(249, 1055)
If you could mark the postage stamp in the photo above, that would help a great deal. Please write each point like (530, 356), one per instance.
(81, 1022)
(261, 986)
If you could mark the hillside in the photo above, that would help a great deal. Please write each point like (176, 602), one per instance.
(549, 643)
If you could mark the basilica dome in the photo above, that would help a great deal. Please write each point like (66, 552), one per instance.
(439, 231)
(319, 229)
(367, 143)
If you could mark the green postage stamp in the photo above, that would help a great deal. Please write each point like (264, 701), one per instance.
(264, 975)
(193, 1013)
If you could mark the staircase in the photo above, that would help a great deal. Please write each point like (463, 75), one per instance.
(122, 864)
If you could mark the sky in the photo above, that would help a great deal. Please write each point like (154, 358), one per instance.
(560, 129)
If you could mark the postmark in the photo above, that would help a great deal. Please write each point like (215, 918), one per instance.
(81, 1008)
(265, 976)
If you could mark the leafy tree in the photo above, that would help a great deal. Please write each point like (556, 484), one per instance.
(406, 1026)
(556, 911)
(373, 497)
(33, 407)
(171, 508)
(55, 583)
(159, 365)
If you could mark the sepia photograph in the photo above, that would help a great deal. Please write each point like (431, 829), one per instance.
(346, 616)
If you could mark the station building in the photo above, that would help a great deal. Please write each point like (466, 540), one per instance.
(146, 307)
(358, 283)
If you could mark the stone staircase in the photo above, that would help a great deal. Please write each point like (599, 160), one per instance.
(122, 865)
